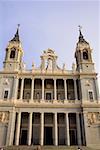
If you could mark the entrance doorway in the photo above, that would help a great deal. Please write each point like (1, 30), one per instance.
(73, 137)
(48, 139)
(23, 140)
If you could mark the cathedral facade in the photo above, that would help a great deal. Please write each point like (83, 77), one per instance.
(49, 105)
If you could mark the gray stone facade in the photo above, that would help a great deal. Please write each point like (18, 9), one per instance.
(49, 105)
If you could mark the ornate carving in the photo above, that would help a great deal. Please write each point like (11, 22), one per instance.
(6, 82)
(87, 82)
(93, 118)
(48, 60)
(4, 117)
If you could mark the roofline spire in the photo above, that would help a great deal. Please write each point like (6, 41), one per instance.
(18, 28)
(80, 27)
(81, 37)
(16, 37)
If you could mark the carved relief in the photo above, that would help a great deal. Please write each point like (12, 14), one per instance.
(48, 60)
(88, 83)
(4, 117)
(6, 82)
(93, 118)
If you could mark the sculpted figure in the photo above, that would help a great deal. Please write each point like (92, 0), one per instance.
(6, 117)
(91, 118)
(1, 114)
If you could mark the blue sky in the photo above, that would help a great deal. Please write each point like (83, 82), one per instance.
(50, 24)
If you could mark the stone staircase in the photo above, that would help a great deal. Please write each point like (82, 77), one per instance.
(46, 148)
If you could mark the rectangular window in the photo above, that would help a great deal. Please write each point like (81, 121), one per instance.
(90, 95)
(6, 94)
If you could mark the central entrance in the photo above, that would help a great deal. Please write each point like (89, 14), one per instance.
(48, 136)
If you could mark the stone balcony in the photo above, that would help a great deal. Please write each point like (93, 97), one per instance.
(40, 102)
(47, 103)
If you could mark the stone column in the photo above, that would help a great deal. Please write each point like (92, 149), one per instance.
(75, 89)
(78, 129)
(32, 90)
(30, 129)
(11, 128)
(67, 131)
(22, 87)
(55, 93)
(65, 87)
(18, 129)
(56, 129)
(15, 89)
(42, 130)
(42, 89)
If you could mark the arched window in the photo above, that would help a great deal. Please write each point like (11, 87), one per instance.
(85, 54)
(12, 54)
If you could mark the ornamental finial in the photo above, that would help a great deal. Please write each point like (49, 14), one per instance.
(81, 38)
(80, 27)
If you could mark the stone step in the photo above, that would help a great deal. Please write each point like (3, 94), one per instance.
(46, 148)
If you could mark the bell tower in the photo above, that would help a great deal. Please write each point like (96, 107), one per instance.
(14, 53)
(83, 55)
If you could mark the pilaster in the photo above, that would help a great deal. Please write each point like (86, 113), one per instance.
(11, 128)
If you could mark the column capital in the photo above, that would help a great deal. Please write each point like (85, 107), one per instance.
(32, 78)
(74, 78)
(22, 78)
(78, 113)
(30, 112)
(42, 78)
(54, 78)
(85, 112)
(16, 77)
(55, 113)
(67, 113)
(65, 79)
(11, 111)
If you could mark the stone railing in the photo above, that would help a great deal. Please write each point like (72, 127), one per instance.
(38, 101)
